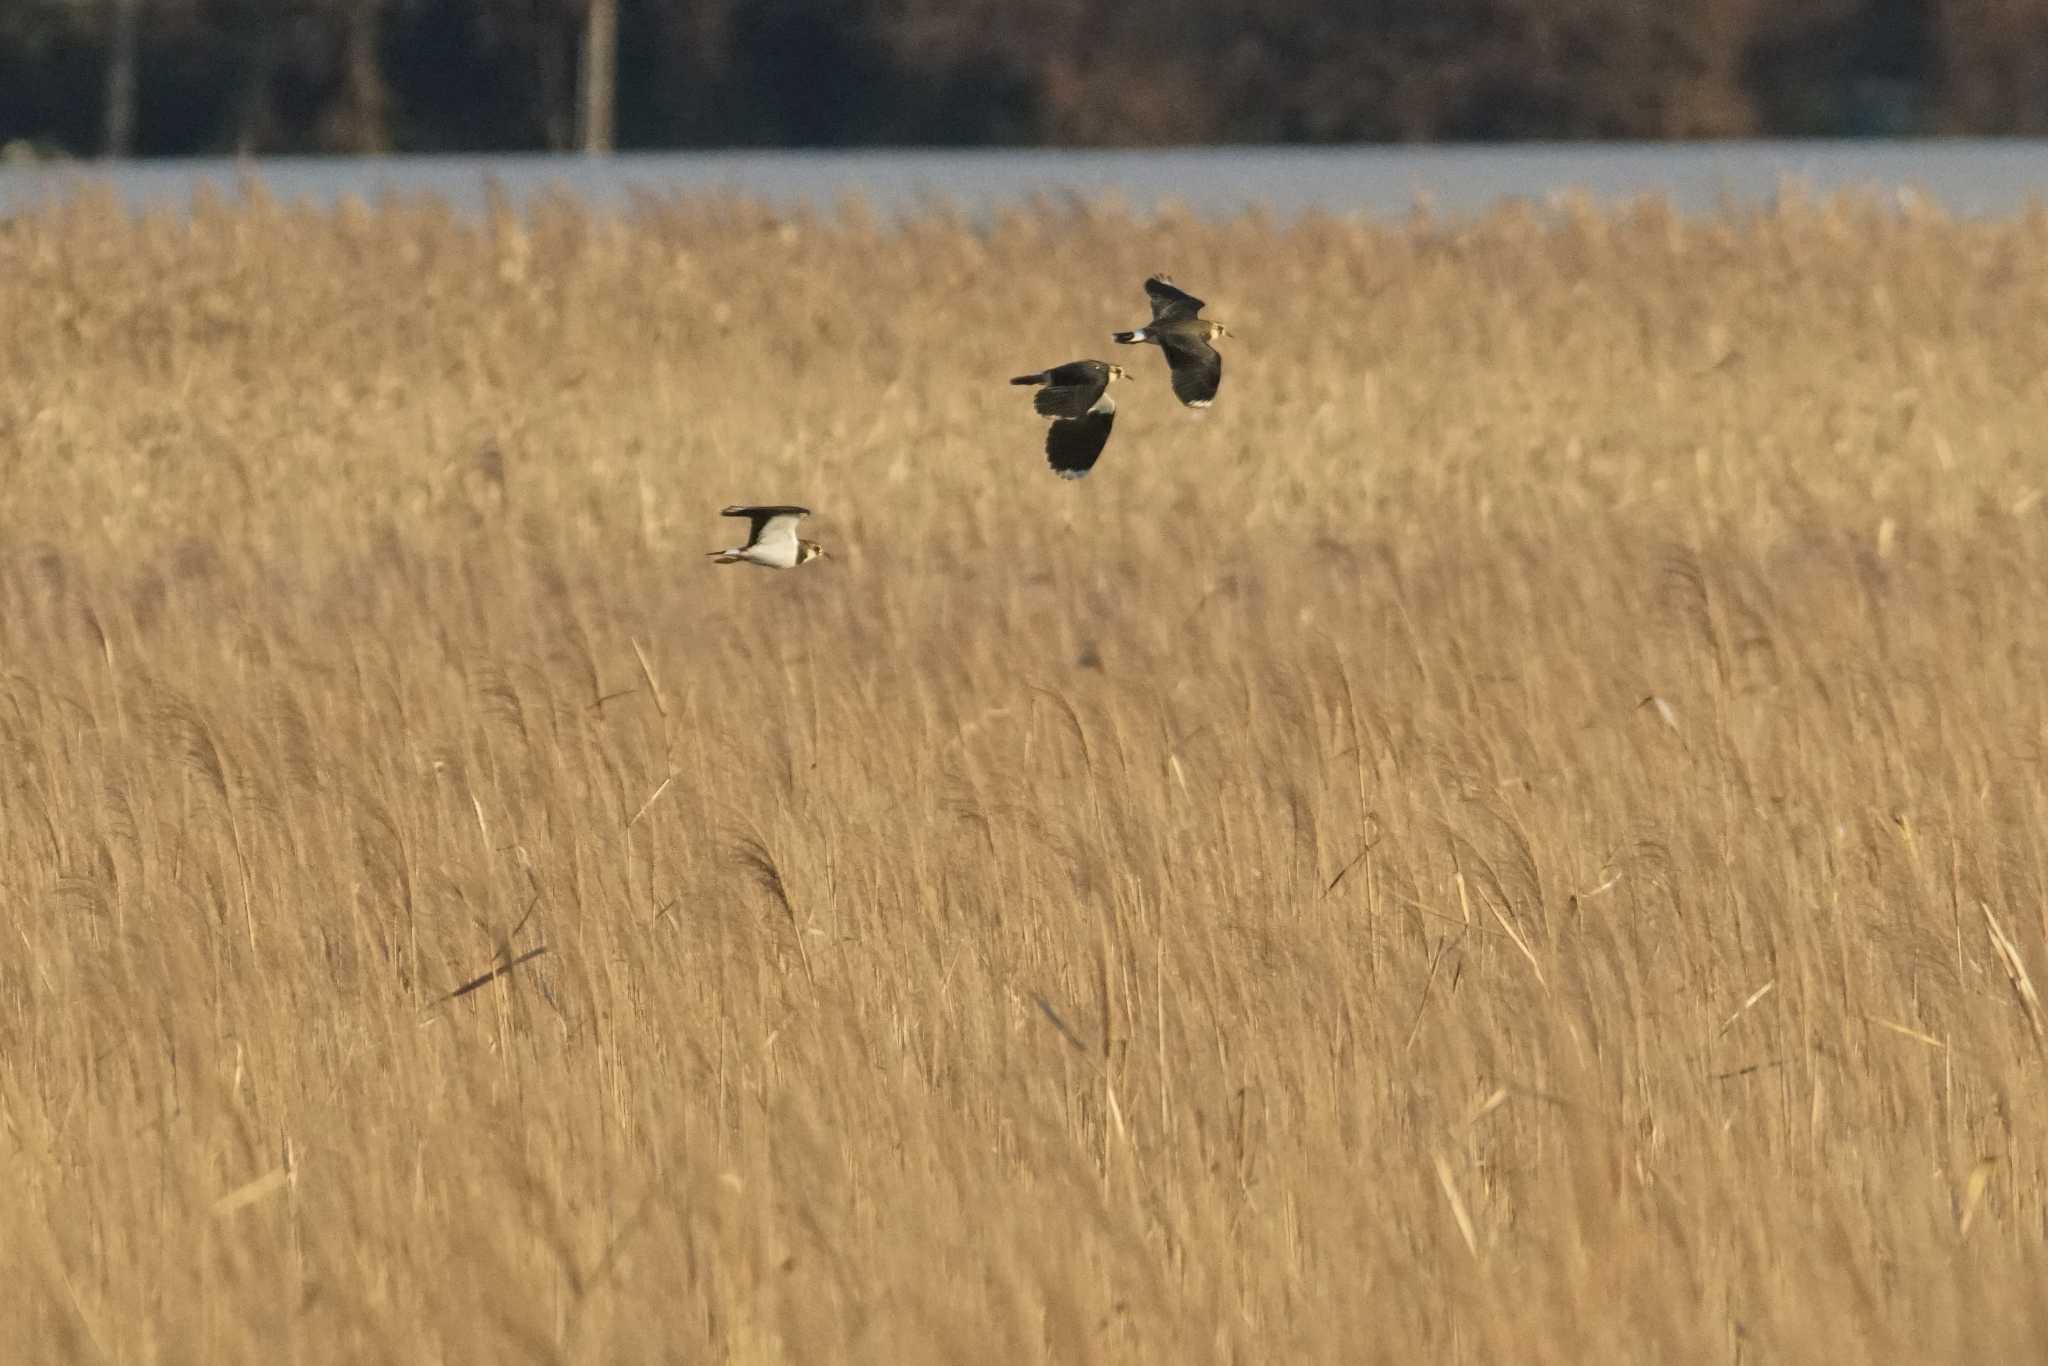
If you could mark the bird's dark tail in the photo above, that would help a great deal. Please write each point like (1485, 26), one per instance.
(1128, 337)
(1038, 378)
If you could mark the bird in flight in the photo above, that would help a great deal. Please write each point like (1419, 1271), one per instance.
(1076, 397)
(1179, 331)
(771, 538)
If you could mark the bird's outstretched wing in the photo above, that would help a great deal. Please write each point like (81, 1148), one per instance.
(1072, 390)
(769, 525)
(1074, 444)
(1169, 302)
(1196, 366)
(1068, 400)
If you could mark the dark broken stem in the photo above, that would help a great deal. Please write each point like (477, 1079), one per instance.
(1069, 1035)
(1746, 1071)
(493, 975)
(531, 907)
(1346, 870)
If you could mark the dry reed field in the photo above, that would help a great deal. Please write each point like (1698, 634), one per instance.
(1519, 836)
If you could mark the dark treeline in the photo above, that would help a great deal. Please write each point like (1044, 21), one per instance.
(482, 75)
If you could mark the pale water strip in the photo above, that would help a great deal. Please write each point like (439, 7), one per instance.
(1965, 178)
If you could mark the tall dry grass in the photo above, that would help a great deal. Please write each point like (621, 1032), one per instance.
(1242, 907)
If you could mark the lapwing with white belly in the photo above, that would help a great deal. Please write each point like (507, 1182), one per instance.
(771, 541)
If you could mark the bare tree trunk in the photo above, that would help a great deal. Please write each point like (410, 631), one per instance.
(600, 74)
(122, 25)
(253, 119)
(367, 131)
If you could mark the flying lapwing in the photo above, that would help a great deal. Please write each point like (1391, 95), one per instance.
(1184, 337)
(771, 538)
(1076, 397)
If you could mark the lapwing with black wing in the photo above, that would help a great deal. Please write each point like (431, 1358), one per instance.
(1184, 337)
(771, 538)
(1076, 397)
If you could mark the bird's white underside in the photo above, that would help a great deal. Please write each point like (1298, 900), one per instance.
(775, 548)
(769, 556)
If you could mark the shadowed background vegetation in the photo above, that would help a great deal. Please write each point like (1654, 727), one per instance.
(255, 76)
(1517, 836)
